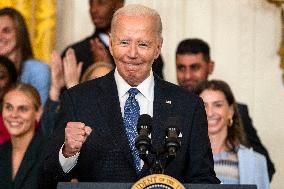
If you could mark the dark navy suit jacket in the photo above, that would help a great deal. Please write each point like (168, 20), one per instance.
(27, 175)
(106, 156)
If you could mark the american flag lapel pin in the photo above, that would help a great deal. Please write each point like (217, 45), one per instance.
(168, 102)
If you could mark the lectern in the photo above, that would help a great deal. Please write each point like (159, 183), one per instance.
(87, 185)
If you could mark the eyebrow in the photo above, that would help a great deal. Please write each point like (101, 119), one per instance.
(8, 27)
(217, 101)
(22, 105)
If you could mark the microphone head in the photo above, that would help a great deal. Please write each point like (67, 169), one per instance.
(172, 126)
(173, 142)
(144, 122)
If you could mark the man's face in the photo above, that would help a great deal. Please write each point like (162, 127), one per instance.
(192, 69)
(102, 11)
(134, 44)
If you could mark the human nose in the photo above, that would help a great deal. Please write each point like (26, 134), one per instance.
(133, 51)
(209, 111)
(94, 9)
(14, 113)
(187, 73)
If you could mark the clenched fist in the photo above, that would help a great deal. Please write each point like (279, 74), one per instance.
(76, 134)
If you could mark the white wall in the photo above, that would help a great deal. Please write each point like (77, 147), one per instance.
(73, 23)
(244, 36)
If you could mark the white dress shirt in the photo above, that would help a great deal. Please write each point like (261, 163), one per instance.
(104, 38)
(145, 98)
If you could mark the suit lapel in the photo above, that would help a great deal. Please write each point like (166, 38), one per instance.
(110, 109)
(246, 165)
(161, 111)
(30, 159)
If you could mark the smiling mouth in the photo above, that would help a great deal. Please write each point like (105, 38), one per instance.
(3, 46)
(14, 124)
(133, 64)
(2, 43)
(191, 82)
(212, 121)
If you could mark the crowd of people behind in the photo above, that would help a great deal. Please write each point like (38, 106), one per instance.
(34, 111)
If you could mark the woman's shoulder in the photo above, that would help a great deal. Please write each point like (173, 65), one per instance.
(35, 64)
(250, 152)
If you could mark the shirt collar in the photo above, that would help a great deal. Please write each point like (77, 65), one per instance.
(146, 88)
(104, 38)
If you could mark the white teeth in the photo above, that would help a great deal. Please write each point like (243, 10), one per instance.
(14, 123)
(212, 121)
(2, 44)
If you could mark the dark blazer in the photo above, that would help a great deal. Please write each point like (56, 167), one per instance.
(50, 116)
(253, 138)
(84, 54)
(27, 175)
(106, 156)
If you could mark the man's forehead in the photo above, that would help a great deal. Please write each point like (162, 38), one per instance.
(122, 17)
(191, 58)
(133, 23)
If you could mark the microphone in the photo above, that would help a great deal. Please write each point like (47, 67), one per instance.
(173, 143)
(142, 141)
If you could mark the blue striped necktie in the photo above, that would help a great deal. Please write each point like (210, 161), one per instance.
(131, 115)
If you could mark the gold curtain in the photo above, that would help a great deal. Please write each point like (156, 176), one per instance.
(40, 17)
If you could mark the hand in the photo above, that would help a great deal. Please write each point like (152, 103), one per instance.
(57, 76)
(72, 70)
(76, 134)
(99, 51)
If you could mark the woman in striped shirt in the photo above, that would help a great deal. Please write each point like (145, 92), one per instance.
(234, 161)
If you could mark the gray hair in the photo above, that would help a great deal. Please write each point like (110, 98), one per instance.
(138, 10)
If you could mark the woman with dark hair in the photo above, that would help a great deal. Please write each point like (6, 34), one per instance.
(15, 44)
(8, 76)
(234, 162)
(20, 157)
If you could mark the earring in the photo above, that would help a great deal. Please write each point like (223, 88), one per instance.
(230, 122)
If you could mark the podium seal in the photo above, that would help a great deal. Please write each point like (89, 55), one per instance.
(158, 181)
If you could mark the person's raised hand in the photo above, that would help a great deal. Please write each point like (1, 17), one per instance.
(57, 76)
(72, 70)
(76, 134)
